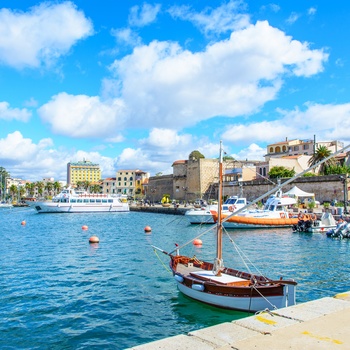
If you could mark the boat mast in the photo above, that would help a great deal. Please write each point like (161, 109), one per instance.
(218, 262)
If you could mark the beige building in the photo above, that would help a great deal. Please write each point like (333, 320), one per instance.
(131, 182)
(83, 171)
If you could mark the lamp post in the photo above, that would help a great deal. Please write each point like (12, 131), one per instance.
(345, 190)
(185, 190)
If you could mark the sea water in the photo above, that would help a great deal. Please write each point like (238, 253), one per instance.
(58, 291)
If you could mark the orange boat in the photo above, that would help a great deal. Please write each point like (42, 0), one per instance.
(274, 214)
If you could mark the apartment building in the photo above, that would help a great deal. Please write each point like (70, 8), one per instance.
(131, 182)
(83, 171)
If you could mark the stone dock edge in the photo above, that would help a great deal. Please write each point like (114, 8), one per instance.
(317, 324)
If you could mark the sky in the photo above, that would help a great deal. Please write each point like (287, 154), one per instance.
(139, 85)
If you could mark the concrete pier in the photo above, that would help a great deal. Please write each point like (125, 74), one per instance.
(318, 324)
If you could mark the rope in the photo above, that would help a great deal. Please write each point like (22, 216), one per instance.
(166, 268)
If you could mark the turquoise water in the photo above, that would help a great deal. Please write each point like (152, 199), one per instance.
(60, 292)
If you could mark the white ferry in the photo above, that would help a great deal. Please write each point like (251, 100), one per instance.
(71, 201)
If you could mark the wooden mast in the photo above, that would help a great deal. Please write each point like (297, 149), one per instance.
(218, 263)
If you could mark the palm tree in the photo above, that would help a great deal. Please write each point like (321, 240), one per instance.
(57, 187)
(321, 153)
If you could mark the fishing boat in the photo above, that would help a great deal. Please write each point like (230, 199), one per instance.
(203, 214)
(71, 201)
(213, 283)
(274, 214)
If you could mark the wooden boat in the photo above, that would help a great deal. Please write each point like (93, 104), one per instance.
(215, 284)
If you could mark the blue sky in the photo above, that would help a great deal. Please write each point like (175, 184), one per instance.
(138, 85)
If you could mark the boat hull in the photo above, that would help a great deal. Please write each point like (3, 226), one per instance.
(198, 216)
(51, 207)
(239, 303)
(231, 289)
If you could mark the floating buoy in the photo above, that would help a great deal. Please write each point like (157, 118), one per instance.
(197, 242)
(23, 223)
(148, 229)
(94, 239)
(84, 227)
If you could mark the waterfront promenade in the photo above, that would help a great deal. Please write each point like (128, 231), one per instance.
(318, 324)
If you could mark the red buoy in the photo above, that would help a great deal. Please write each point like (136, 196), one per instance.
(197, 242)
(148, 229)
(94, 239)
(23, 223)
(84, 227)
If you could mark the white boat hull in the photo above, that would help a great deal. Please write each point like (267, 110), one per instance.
(51, 207)
(241, 303)
(198, 216)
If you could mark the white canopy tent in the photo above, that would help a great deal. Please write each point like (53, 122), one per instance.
(296, 193)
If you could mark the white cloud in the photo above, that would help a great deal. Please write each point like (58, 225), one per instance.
(40, 36)
(142, 16)
(252, 152)
(328, 122)
(8, 113)
(126, 36)
(162, 84)
(83, 116)
(226, 17)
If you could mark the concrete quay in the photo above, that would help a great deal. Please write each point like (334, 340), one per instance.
(318, 324)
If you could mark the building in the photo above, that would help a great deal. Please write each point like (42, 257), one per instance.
(131, 182)
(293, 154)
(83, 171)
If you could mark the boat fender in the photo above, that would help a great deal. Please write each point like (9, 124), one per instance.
(198, 287)
(179, 278)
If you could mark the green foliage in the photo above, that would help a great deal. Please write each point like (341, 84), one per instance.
(309, 174)
(321, 153)
(280, 172)
(195, 155)
(336, 169)
(326, 205)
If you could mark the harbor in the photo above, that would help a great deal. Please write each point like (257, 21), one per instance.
(60, 291)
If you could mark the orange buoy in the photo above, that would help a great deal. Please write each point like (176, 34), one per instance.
(148, 229)
(84, 227)
(23, 223)
(94, 239)
(197, 242)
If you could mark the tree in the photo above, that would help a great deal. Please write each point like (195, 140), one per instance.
(57, 187)
(280, 171)
(195, 155)
(321, 153)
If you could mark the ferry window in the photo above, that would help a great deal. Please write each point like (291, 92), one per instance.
(104, 200)
(92, 201)
(98, 200)
(79, 200)
(86, 200)
(272, 207)
(73, 200)
(279, 207)
(110, 200)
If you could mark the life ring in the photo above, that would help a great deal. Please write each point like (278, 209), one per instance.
(231, 208)
(290, 215)
(306, 217)
(282, 215)
(313, 217)
(300, 216)
(64, 196)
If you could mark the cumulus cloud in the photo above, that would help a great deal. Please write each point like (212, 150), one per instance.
(83, 116)
(162, 83)
(41, 35)
(327, 122)
(8, 113)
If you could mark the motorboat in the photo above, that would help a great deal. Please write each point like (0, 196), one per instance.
(203, 214)
(72, 201)
(274, 214)
(308, 222)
